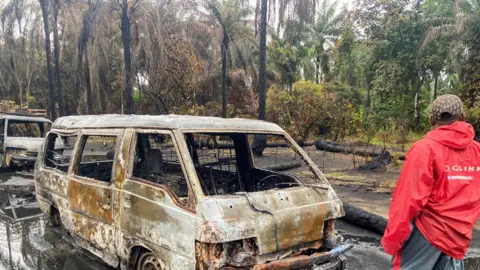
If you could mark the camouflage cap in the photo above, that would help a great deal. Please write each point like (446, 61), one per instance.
(447, 108)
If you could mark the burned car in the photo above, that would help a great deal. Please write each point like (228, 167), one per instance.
(185, 192)
(21, 138)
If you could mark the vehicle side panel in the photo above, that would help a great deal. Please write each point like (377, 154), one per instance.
(150, 214)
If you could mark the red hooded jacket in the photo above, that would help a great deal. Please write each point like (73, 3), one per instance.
(438, 188)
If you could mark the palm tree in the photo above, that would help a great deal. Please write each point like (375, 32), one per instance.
(231, 16)
(88, 25)
(51, 87)
(262, 61)
(462, 30)
(324, 32)
(465, 12)
(260, 141)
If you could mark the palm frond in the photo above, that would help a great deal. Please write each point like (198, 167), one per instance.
(438, 32)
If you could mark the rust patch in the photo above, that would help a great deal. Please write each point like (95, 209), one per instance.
(209, 256)
(91, 200)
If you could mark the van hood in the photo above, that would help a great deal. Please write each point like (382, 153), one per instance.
(29, 144)
(277, 219)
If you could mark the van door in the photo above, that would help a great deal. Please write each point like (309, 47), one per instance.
(91, 190)
(156, 202)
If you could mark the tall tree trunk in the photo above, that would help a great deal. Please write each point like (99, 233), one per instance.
(105, 85)
(51, 88)
(260, 141)
(317, 68)
(225, 45)
(435, 87)
(261, 69)
(16, 87)
(127, 56)
(88, 84)
(56, 47)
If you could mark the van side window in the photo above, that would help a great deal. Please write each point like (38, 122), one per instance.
(97, 158)
(58, 151)
(156, 161)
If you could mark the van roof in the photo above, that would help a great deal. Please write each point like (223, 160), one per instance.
(24, 118)
(200, 123)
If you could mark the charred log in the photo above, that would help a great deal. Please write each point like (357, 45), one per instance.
(323, 145)
(379, 162)
(284, 166)
(259, 144)
(364, 219)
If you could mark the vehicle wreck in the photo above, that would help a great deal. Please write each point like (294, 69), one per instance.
(183, 192)
(21, 137)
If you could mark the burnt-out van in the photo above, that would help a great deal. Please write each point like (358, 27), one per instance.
(185, 192)
(21, 137)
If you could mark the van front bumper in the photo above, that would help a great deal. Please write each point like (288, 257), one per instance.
(328, 260)
(19, 160)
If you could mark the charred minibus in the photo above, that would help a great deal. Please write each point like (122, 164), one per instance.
(186, 192)
(21, 137)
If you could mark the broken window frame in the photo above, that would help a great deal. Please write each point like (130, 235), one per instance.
(191, 201)
(44, 127)
(319, 176)
(44, 150)
(80, 145)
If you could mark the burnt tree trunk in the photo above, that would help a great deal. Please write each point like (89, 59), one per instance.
(51, 88)
(56, 48)
(88, 84)
(261, 69)
(260, 141)
(127, 55)
(225, 45)
(317, 67)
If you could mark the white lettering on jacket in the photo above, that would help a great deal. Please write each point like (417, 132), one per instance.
(457, 168)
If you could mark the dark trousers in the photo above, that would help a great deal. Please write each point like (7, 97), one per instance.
(418, 254)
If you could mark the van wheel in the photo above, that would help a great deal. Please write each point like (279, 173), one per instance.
(55, 219)
(148, 261)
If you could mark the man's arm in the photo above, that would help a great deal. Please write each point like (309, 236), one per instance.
(409, 197)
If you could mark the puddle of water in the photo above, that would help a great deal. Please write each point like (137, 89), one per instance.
(26, 241)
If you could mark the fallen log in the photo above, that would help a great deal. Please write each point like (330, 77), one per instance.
(284, 166)
(379, 162)
(364, 219)
(323, 145)
(256, 145)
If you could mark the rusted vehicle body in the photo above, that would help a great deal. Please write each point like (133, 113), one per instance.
(21, 138)
(184, 192)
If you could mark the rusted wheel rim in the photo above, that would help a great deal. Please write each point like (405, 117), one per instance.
(148, 261)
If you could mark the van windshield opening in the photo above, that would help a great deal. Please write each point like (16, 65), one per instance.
(30, 129)
(225, 164)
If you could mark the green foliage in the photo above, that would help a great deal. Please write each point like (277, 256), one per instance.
(308, 107)
(300, 110)
(282, 57)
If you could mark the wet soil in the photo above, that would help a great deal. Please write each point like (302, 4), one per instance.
(26, 241)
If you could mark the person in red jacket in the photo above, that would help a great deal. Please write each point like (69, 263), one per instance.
(436, 202)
